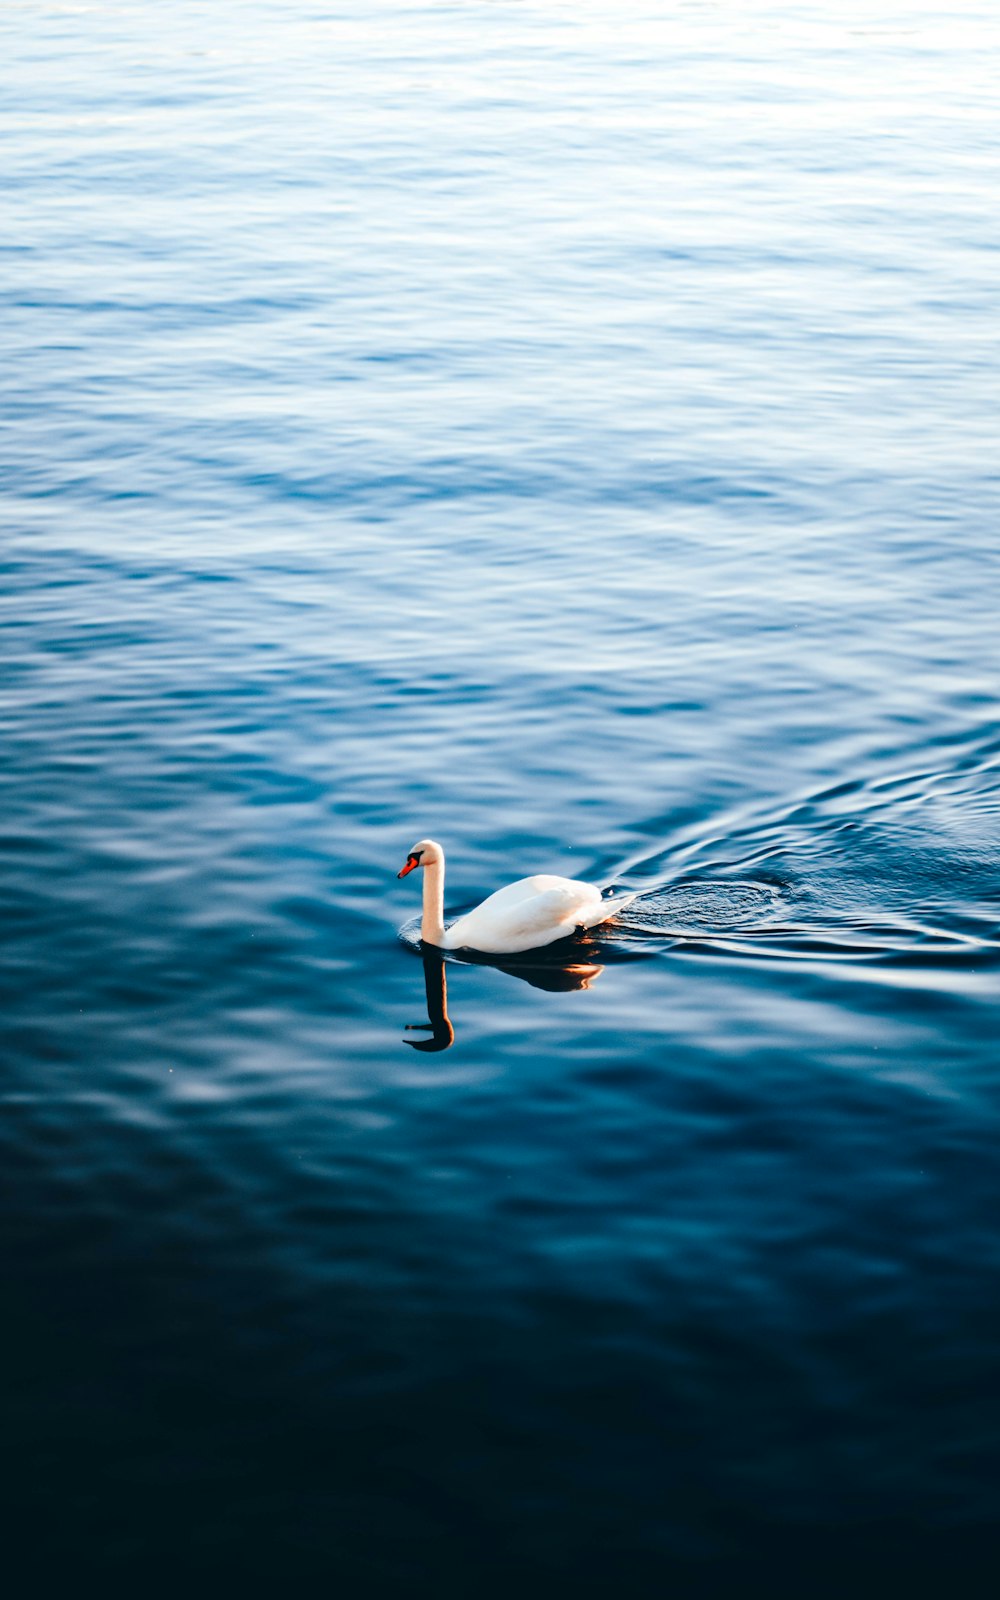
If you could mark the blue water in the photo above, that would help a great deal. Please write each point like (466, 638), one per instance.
(567, 431)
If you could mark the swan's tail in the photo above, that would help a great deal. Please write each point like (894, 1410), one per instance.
(609, 907)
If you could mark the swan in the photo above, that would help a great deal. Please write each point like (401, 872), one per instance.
(526, 915)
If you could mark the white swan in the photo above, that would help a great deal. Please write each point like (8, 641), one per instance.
(526, 915)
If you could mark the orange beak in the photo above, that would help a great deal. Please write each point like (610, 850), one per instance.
(410, 864)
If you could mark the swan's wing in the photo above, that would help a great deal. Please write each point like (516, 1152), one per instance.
(529, 889)
(526, 915)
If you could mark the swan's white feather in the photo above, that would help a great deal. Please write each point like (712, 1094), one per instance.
(608, 907)
(527, 915)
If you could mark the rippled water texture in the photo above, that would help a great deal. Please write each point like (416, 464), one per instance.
(569, 432)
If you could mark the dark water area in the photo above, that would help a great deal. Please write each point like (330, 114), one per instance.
(568, 432)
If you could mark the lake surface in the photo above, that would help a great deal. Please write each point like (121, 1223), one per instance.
(569, 432)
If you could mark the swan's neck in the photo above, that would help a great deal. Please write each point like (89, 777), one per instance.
(432, 922)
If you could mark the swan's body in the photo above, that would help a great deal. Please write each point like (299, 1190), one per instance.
(526, 915)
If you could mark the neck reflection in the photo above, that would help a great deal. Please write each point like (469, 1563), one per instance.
(442, 1034)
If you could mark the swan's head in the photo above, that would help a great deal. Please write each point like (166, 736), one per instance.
(423, 854)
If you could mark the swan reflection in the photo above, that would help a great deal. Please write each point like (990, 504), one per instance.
(555, 975)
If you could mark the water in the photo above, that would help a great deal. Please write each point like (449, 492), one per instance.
(569, 432)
